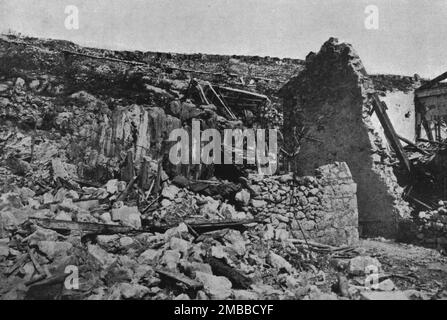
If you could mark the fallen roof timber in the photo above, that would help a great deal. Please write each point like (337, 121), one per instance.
(390, 133)
(208, 88)
(243, 98)
(247, 94)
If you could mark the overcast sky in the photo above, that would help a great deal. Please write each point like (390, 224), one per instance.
(411, 37)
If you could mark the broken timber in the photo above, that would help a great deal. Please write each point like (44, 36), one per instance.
(412, 144)
(217, 97)
(88, 227)
(99, 228)
(191, 284)
(390, 133)
(205, 226)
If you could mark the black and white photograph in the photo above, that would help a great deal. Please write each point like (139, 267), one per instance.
(249, 152)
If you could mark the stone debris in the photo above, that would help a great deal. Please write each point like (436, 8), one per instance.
(128, 216)
(87, 184)
(218, 288)
(397, 295)
(359, 265)
(279, 262)
(386, 285)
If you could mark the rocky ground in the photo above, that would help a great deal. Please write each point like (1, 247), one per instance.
(86, 192)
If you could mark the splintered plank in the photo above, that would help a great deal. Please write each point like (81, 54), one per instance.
(202, 227)
(99, 228)
(390, 133)
(221, 102)
(176, 277)
(89, 227)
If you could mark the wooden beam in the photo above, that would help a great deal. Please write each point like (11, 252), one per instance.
(179, 278)
(412, 144)
(89, 227)
(239, 91)
(390, 133)
(219, 99)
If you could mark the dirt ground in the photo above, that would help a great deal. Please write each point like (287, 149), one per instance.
(411, 267)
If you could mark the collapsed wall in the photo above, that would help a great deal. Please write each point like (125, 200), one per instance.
(327, 118)
(321, 207)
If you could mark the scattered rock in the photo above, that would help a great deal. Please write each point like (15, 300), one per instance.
(279, 262)
(179, 245)
(128, 216)
(20, 83)
(386, 285)
(258, 203)
(171, 258)
(210, 208)
(218, 288)
(63, 216)
(245, 295)
(42, 234)
(34, 84)
(54, 249)
(192, 267)
(126, 242)
(377, 295)
(170, 192)
(112, 186)
(133, 291)
(8, 223)
(235, 241)
(317, 294)
(3, 88)
(4, 248)
(243, 197)
(150, 256)
(357, 266)
(104, 258)
(107, 241)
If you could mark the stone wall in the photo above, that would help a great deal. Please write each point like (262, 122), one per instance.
(430, 228)
(324, 205)
(327, 118)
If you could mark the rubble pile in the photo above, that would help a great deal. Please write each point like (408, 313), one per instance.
(119, 258)
(92, 208)
(211, 251)
(432, 227)
(87, 186)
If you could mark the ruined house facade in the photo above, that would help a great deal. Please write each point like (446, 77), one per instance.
(327, 118)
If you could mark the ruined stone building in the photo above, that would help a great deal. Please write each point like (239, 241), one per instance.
(327, 115)
(84, 141)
